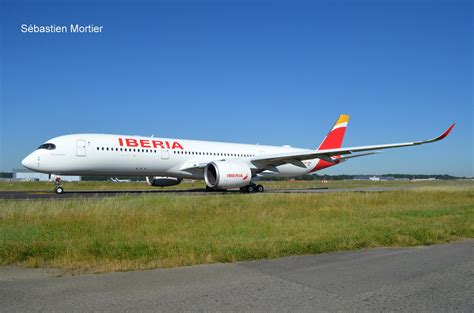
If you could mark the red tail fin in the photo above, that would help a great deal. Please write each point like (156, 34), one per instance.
(334, 139)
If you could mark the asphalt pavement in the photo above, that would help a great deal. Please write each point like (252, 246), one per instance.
(420, 279)
(77, 194)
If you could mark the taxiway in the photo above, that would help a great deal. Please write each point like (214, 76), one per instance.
(74, 194)
(421, 279)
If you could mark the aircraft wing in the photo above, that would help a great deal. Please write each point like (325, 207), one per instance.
(327, 154)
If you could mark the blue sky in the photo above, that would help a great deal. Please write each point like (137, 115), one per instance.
(245, 71)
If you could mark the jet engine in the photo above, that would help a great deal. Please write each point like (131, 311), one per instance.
(227, 174)
(163, 181)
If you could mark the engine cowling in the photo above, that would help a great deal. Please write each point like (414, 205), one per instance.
(227, 174)
(163, 181)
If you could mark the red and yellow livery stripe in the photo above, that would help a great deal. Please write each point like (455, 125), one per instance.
(333, 140)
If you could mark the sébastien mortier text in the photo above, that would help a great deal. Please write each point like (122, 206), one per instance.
(72, 28)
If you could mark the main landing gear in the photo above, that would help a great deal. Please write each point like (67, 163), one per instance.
(246, 189)
(252, 188)
(58, 185)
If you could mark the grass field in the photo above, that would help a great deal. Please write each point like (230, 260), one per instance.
(150, 231)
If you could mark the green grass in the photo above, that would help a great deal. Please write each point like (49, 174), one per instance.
(150, 231)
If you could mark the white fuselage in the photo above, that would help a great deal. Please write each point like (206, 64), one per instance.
(121, 155)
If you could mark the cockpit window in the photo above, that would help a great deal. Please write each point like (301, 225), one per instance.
(47, 146)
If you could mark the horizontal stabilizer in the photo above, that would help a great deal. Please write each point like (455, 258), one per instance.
(357, 155)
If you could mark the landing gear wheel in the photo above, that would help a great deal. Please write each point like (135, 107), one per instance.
(58, 190)
(250, 188)
(209, 189)
(260, 188)
(58, 185)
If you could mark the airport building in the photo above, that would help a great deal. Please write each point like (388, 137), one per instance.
(26, 175)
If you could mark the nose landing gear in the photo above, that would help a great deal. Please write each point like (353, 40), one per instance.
(58, 185)
(58, 190)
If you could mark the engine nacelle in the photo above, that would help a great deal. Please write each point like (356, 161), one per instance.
(227, 174)
(163, 181)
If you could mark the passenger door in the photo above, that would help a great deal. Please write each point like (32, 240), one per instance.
(80, 148)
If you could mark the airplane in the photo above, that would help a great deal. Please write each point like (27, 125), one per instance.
(116, 180)
(166, 162)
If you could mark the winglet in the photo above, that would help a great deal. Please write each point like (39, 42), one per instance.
(446, 133)
(440, 137)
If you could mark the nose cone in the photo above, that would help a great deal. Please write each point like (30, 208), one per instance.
(28, 162)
